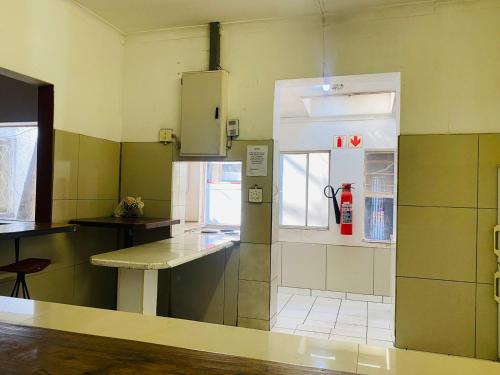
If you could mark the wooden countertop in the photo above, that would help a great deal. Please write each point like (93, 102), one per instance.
(20, 229)
(29, 350)
(126, 222)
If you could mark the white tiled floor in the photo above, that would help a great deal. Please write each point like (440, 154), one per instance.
(336, 319)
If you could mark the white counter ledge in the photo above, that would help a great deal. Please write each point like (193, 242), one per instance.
(167, 253)
(138, 265)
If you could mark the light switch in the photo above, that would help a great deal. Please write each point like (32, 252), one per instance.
(255, 195)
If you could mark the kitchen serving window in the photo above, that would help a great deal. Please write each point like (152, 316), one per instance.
(379, 195)
(18, 171)
(303, 178)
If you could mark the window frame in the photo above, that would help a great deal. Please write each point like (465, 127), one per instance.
(307, 153)
(393, 195)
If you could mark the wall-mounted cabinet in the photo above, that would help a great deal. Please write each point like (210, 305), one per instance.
(204, 113)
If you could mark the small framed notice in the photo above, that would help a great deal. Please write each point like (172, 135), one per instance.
(257, 160)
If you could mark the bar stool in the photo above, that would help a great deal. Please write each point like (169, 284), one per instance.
(22, 268)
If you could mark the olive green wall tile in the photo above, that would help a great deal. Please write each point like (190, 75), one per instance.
(156, 208)
(95, 286)
(198, 289)
(438, 170)
(255, 262)
(253, 299)
(349, 269)
(53, 285)
(95, 208)
(63, 210)
(438, 243)
(99, 168)
(256, 222)
(435, 316)
(231, 285)
(263, 325)
(147, 170)
(489, 160)
(486, 259)
(486, 323)
(66, 146)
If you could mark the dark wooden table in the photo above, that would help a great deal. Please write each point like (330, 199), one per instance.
(20, 229)
(128, 225)
(28, 350)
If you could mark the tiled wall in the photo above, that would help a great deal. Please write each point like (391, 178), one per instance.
(85, 185)
(352, 269)
(445, 262)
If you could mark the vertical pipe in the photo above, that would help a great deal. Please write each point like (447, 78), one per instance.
(214, 63)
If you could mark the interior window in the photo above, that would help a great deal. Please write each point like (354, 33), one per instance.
(303, 178)
(223, 193)
(18, 145)
(379, 195)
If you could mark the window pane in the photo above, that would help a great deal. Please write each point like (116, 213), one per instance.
(319, 171)
(378, 218)
(293, 189)
(18, 172)
(223, 193)
(379, 169)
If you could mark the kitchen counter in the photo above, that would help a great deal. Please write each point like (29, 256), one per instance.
(138, 266)
(234, 341)
(167, 253)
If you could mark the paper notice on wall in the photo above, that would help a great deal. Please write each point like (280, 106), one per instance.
(257, 160)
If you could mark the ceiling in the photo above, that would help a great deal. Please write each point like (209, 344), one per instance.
(142, 15)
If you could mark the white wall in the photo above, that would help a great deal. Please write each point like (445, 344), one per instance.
(55, 41)
(346, 165)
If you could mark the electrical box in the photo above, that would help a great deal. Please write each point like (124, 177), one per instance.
(233, 128)
(166, 135)
(204, 113)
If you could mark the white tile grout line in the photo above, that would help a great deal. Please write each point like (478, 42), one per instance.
(303, 321)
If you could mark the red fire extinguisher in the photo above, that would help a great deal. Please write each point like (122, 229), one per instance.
(346, 210)
(343, 214)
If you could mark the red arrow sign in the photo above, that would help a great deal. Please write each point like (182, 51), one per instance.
(355, 141)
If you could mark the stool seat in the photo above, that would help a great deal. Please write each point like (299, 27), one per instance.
(29, 265)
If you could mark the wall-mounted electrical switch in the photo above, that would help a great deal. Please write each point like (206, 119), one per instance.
(166, 135)
(255, 195)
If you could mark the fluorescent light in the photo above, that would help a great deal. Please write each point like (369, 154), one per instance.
(345, 105)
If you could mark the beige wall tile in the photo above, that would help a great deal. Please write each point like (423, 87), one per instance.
(256, 222)
(63, 210)
(486, 323)
(276, 261)
(95, 286)
(147, 170)
(98, 173)
(253, 299)
(349, 269)
(95, 208)
(382, 272)
(435, 316)
(255, 262)
(263, 325)
(65, 165)
(303, 265)
(438, 170)
(486, 259)
(489, 160)
(436, 242)
(231, 285)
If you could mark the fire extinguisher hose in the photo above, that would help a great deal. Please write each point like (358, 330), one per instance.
(330, 193)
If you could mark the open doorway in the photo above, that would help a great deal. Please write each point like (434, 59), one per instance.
(206, 196)
(337, 273)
